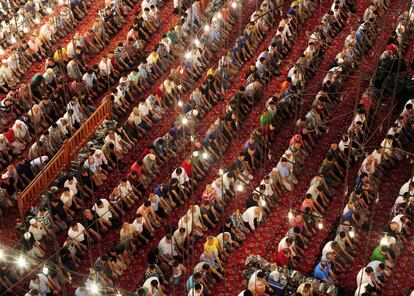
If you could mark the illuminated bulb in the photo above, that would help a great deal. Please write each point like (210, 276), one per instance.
(234, 5)
(36, 21)
(94, 288)
(206, 28)
(1, 254)
(188, 55)
(195, 153)
(214, 19)
(263, 203)
(219, 16)
(21, 262)
(197, 42)
(221, 172)
(191, 138)
(180, 103)
(184, 121)
(118, 294)
(25, 30)
(240, 188)
(320, 225)
(385, 242)
(13, 39)
(45, 270)
(351, 234)
(49, 10)
(290, 215)
(181, 71)
(1, 51)
(205, 155)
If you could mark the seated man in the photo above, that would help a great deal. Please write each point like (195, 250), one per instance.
(324, 273)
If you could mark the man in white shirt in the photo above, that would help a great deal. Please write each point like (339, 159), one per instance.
(287, 243)
(365, 288)
(103, 209)
(67, 197)
(152, 284)
(106, 69)
(252, 216)
(37, 230)
(141, 230)
(72, 184)
(77, 233)
(42, 284)
(380, 271)
(181, 176)
(365, 276)
(167, 249)
(197, 290)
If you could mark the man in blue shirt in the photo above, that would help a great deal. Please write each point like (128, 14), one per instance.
(322, 272)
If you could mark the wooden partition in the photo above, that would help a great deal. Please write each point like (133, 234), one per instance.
(62, 159)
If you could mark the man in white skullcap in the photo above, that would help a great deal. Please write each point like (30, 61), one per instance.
(37, 230)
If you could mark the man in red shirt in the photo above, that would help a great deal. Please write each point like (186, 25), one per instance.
(283, 258)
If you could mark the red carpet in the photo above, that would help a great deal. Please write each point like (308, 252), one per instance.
(266, 237)
(277, 225)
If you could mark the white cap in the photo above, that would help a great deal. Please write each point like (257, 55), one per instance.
(4, 176)
(151, 156)
(32, 221)
(27, 235)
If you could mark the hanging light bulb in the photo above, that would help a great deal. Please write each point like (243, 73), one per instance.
(219, 16)
(25, 30)
(221, 172)
(21, 262)
(206, 28)
(37, 21)
(234, 5)
(93, 288)
(180, 103)
(195, 153)
(320, 225)
(2, 256)
(205, 155)
(118, 294)
(184, 120)
(197, 42)
(45, 270)
(351, 234)
(49, 10)
(13, 39)
(188, 54)
(290, 215)
(1, 50)
(240, 188)
(385, 241)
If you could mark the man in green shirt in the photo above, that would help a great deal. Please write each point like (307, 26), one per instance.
(265, 119)
(381, 253)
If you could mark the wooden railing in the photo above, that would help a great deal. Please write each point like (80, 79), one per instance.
(61, 161)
